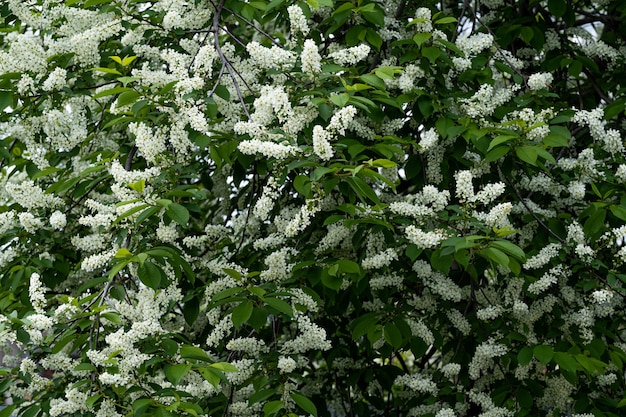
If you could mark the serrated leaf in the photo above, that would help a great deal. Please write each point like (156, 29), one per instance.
(280, 305)
(272, 407)
(392, 335)
(543, 353)
(340, 99)
(510, 248)
(224, 367)
(123, 253)
(242, 313)
(524, 356)
(127, 97)
(304, 403)
(527, 154)
(566, 361)
(495, 255)
(445, 20)
(499, 140)
(150, 275)
(175, 373)
(177, 213)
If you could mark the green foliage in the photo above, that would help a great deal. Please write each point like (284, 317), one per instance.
(321, 207)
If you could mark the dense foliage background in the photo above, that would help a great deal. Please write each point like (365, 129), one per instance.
(328, 208)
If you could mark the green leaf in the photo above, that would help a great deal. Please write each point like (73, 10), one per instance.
(261, 395)
(445, 20)
(242, 313)
(140, 406)
(431, 52)
(127, 97)
(511, 248)
(123, 253)
(495, 255)
(304, 403)
(272, 408)
(340, 99)
(279, 305)
(557, 7)
(177, 213)
(566, 361)
(193, 353)
(150, 275)
(527, 154)
(224, 367)
(363, 189)
(392, 335)
(111, 91)
(175, 373)
(422, 37)
(501, 139)
(543, 353)
(618, 211)
(106, 70)
(524, 356)
(212, 376)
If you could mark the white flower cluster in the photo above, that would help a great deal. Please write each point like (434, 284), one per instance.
(286, 364)
(422, 239)
(267, 149)
(418, 383)
(56, 80)
(483, 357)
(250, 345)
(297, 20)
(29, 222)
(321, 143)
(151, 143)
(76, 402)
(437, 282)
(473, 44)
(266, 58)
(428, 141)
(497, 216)
(36, 293)
(58, 220)
(489, 193)
(336, 233)
(543, 257)
(278, 266)
(311, 337)
(540, 80)
(451, 369)
(459, 321)
(265, 203)
(423, 20)
(611, 139)
(380, 260)
(485, 101)
(310, 58)
(350, 56)
(547, 280)
(29, 195)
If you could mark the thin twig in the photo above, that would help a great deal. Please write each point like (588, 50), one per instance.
(532, 213)
(253, 26)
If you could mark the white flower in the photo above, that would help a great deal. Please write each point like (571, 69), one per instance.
(310, 57)
(58, 220)
(428, 141)
(297, 20)
(56, 80)
(540, 80)
(350, 56)
(286, 364)
(321, 143)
